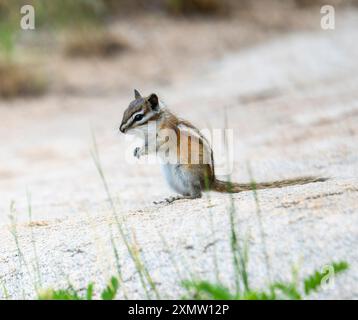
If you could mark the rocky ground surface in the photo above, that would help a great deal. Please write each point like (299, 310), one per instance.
(292, 102)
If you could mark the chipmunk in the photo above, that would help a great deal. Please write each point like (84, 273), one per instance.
(188, 178)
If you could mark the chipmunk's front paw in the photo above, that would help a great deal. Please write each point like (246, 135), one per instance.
(137, 152)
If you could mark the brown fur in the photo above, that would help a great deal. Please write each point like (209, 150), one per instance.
(172, 122)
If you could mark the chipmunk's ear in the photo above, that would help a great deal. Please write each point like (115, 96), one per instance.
(154, 101)
(137, 94)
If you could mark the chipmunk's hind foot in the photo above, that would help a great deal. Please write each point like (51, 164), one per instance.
(171, 199)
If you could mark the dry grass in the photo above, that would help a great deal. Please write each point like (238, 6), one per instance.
(35, 224)
(85, 43)
(198, 7)
(20, 80)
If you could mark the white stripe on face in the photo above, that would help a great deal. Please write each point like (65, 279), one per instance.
(130, 121)
(131, 124)
(145, 118)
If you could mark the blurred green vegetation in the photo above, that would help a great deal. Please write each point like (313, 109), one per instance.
(17, 75)
(49, 15)
(108, 293)
(76, 13)
(204, 290)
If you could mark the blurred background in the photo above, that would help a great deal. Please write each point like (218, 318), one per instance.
(142, 40)
(76, 71)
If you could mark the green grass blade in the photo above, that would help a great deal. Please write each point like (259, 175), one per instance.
(110, 292)
(314, 281)
(203, 290)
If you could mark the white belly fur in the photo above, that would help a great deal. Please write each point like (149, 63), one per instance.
(174, 178)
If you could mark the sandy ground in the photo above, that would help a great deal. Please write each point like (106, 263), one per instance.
(293, 104)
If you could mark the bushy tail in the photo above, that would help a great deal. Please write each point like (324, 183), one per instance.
(232, 187)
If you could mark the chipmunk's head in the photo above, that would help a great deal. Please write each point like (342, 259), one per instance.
(140, 111)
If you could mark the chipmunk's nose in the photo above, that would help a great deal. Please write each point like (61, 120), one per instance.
(121, 129)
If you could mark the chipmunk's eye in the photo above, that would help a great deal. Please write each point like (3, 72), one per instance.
(138, 117)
